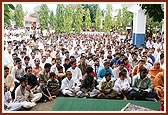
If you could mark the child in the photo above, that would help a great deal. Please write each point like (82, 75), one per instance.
(106, 88)
(122, 85)
(60, 74)
(8, 104)
(88, 84)
(42, 88)
(53, 85)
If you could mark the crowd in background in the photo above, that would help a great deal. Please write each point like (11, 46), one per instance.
(42, 66)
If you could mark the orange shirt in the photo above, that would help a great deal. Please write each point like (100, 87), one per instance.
(153, 72)
(36, 70)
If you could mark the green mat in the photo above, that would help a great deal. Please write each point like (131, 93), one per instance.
(89, 104)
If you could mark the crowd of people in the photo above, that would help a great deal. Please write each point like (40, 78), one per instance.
(39, 67)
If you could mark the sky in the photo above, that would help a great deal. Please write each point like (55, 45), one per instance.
(52, 6)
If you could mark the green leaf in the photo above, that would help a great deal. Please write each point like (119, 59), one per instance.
(11, 6)
(6, 8)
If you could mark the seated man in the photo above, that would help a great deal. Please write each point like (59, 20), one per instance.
(69, 87)
(101, 73)
(142, 86)
(158, 85)
(32, 79)
(88, 84)
(106, 88)
(24, 95)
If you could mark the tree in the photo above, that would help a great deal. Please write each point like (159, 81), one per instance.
(43, 17)
(19, 15)
(52, 19)
(68, 19)
(60, 19)
(78, 19)
(92, 8)
(151, 26)
(7, 13)
(118, 23)
(98, 18)
(87, 19)
(36, 12)
(108, 19)
(154, 11)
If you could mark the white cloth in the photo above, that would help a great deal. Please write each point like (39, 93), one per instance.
(11, 106)
(76, 75)
(69, 84)
(121, 84)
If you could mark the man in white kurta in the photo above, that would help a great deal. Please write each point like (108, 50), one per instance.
(76, 73)
(69, 87)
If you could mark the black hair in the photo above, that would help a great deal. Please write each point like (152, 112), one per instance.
(121, 62)
(72, 62)
(109, 57)
(17, 60)
(5, 68)
(47, 65)
(107, 74)
(142, 69)
(52, 74)
(28, 67)
(161, 56)
(59, 67)
(26, 58)
(22, 79)
(89, 70)
(123, 72)
(67, 59)
(125, 59)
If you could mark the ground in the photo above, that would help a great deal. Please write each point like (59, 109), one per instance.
(42, 106)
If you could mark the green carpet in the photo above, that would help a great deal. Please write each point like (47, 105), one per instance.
(89, 104)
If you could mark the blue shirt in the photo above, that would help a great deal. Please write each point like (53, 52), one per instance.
(101, 73)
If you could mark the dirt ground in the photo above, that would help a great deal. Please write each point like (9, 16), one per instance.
(42, 106)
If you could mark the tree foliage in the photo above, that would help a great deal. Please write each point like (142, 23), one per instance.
(19, 15)
(78, 19)
(98, 18)
(92, 8)
(36, 12)
(60, 19)
(52, 19)
(43, 16)
(7, 13)
(154, 11)
(108, 18)
(87, 22)
(68, 19)
(152, 26)
(124, 19)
